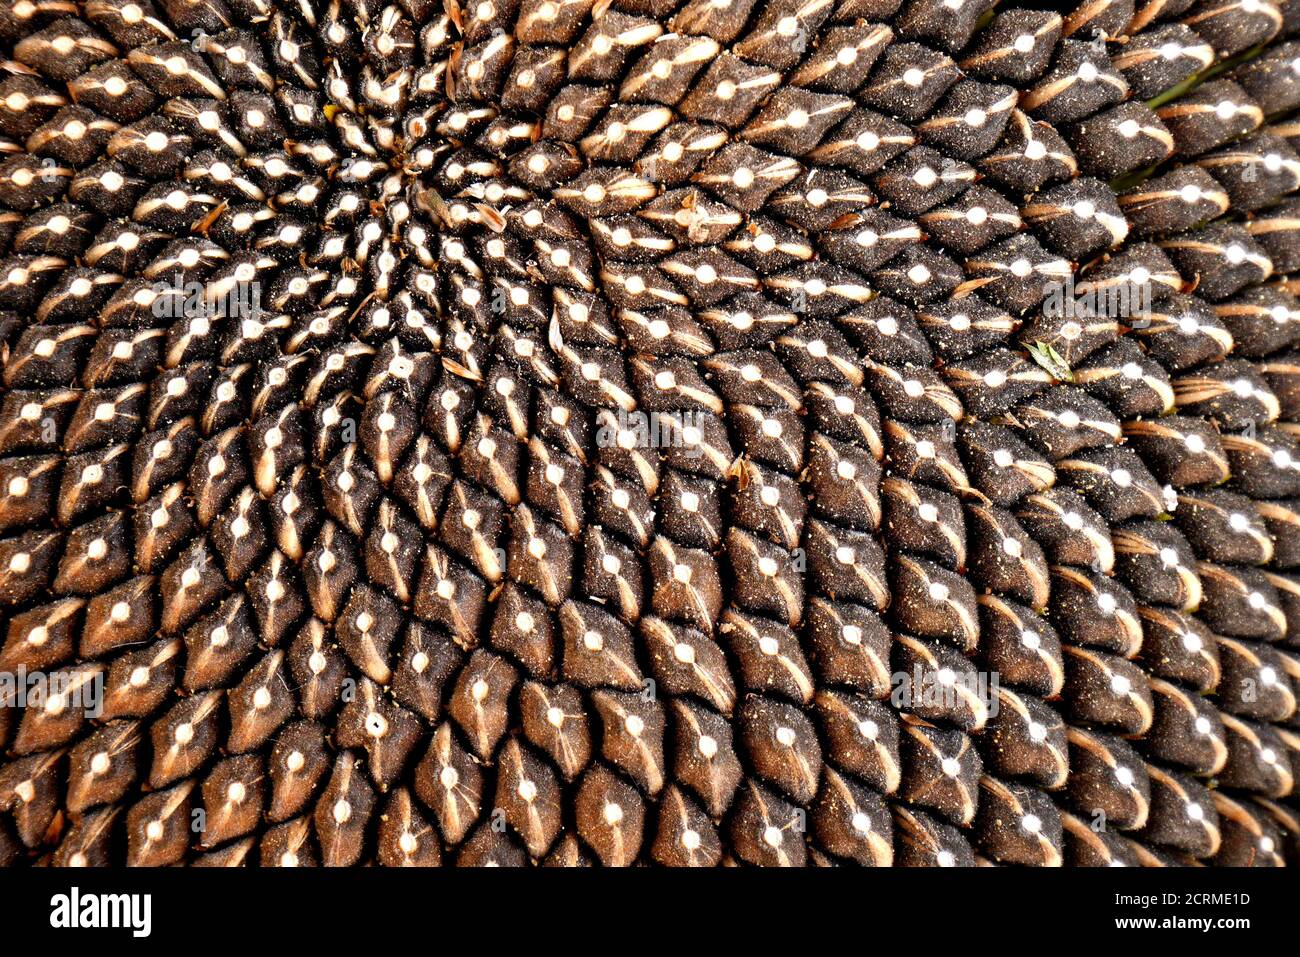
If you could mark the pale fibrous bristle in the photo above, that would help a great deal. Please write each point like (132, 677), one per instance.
(692, 432)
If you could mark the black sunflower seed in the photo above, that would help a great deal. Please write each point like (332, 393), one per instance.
(547, 433)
